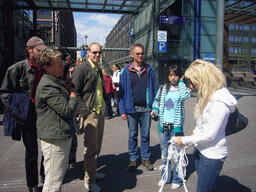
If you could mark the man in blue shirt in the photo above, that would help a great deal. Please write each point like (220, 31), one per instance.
(83, 54)
(137, 91)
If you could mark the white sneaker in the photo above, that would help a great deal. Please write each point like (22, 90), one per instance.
(100, 176)
(175, 186)
(161, 182)
(92, 187)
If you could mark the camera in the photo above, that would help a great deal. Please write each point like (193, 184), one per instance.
(156, 118)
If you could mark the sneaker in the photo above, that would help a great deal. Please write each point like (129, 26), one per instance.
(175, 186)
(132, 166)
(92, 187)
(161, 182)
(148, 165)
(100, 176)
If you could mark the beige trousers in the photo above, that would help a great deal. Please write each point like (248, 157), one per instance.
(93, 134)
(56, 155)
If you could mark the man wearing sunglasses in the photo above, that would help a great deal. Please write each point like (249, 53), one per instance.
(138, 88)
(89, 85)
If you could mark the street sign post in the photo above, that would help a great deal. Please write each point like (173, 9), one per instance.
(162, 41)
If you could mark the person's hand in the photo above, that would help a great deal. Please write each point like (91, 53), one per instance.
(124, 116)
(179, 141)
(72, 91)
(72, 94)
(153, 114)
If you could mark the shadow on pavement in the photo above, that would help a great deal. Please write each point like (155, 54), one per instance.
(117, 178)
(190, 169)
(228, 184)
(76, 173)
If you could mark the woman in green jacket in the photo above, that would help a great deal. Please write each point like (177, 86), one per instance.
(55, 109)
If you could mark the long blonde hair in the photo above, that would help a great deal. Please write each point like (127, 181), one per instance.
(208, 79)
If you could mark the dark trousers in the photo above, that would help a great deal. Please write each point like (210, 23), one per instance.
(72, 155)
(109, 110)
(29, 138)
(116, 93)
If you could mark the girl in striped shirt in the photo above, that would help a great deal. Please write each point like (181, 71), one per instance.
(168, 105)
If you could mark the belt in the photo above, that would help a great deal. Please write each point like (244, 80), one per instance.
(168, 125)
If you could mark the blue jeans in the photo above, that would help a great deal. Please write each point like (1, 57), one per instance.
(208, 171)
(144, 120)
(164, 137)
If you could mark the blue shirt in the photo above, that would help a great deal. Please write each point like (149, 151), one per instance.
(171, 102)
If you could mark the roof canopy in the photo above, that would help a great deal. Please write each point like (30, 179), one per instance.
(240, 12)
(103, 6)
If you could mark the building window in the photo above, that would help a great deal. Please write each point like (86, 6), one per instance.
(253, 51)
(246, 27)
(44, 12)
(254, 28)
(238, 38)
(254, 39)
(231, 50)
(231, 26)
(245, 39)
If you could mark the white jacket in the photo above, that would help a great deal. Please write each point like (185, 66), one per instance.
(209, 134)
(116, 78)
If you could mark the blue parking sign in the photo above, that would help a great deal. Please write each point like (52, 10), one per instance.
(162, 46)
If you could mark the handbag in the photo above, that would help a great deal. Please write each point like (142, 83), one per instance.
(236, 122)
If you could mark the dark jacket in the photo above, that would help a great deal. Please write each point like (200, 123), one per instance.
(19, 78)
(125, 90)
(85, 83)
(55, 109)
(16, 112)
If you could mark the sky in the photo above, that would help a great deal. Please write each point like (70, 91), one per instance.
(96, 26)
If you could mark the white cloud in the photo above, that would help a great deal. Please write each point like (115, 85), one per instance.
(105, 20)
(95, 26)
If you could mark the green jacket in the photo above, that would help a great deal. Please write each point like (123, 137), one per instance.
(55, 109)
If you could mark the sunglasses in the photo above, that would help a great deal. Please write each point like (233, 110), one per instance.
(139, 53)
(95, 52)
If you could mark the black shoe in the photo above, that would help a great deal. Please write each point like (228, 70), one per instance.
(148, 165)
(132, 166)
(34, 189)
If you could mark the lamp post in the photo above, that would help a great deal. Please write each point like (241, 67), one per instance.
(86, 36)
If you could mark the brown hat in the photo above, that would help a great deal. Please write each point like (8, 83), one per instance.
(36, 42)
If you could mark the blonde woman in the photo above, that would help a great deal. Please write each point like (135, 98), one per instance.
(212, 110)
